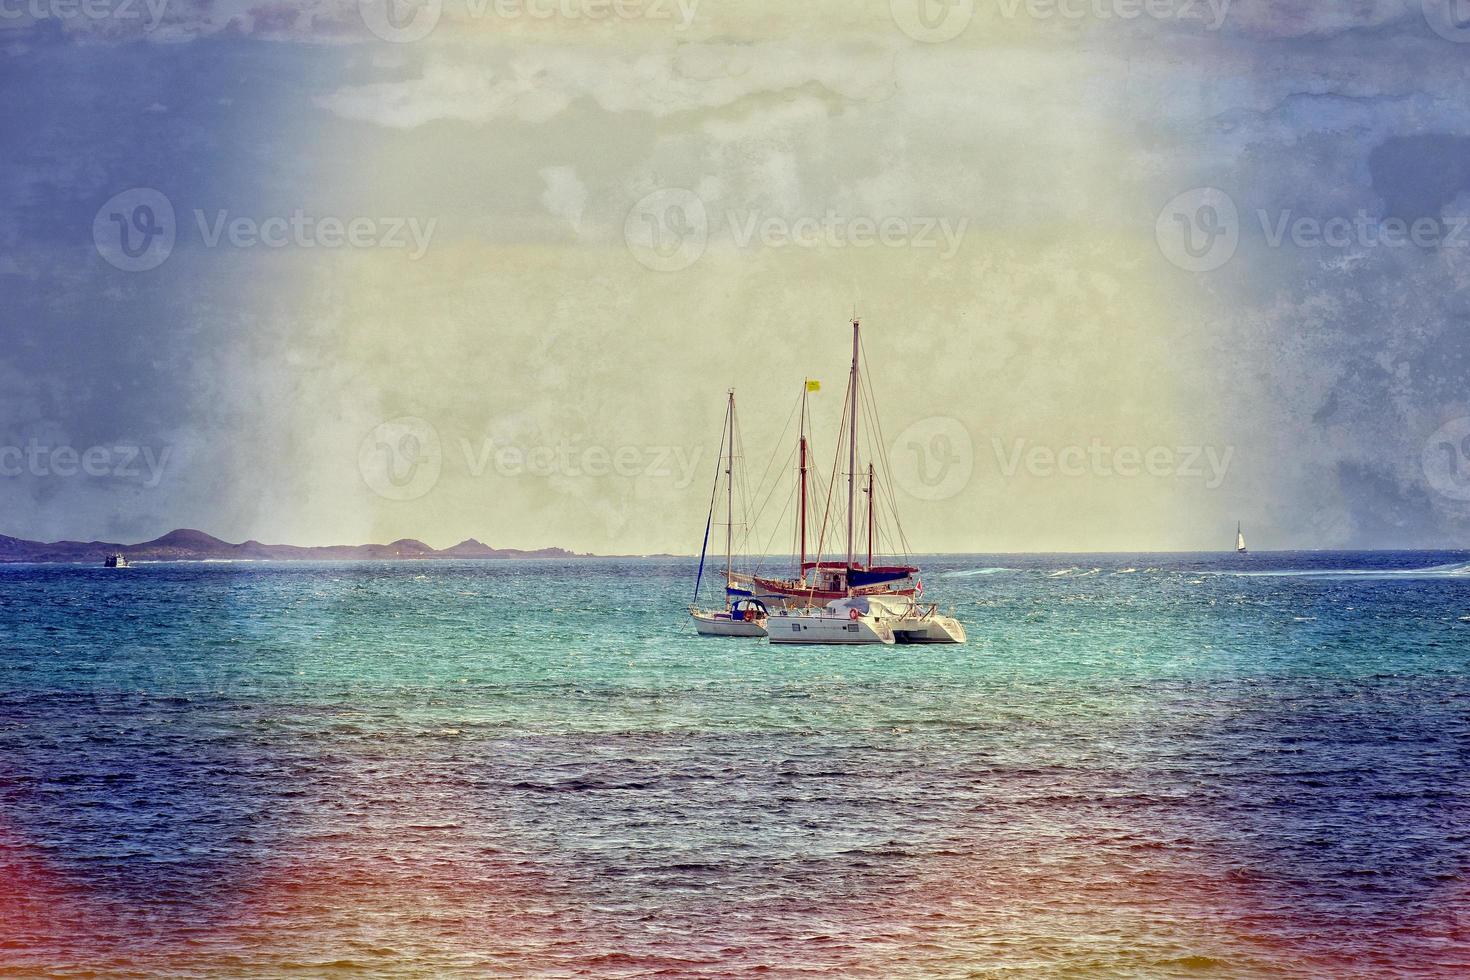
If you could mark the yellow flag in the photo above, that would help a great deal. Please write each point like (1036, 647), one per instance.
(813, 385)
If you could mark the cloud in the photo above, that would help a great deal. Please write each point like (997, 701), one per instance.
(565, 196)
(539, 83)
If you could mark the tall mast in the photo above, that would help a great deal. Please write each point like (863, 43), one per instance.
(852, 397)
(729, 489)
(870, 515)
(801, 564)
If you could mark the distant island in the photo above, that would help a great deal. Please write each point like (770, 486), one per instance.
(190, 545)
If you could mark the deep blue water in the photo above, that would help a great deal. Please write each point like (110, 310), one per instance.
(1139, 764)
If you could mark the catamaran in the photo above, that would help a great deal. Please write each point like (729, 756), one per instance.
(847, 602)
(742, 616)
(1239, 540)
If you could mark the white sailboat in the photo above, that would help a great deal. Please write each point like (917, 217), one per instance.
(1239, 540)
(842, 609)
(739, 617)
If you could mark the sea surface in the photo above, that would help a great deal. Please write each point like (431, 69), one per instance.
(1139, 765)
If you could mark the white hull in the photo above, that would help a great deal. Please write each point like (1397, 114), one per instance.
(929, 629)
(720, 624)
(911, 621)
(828, 628)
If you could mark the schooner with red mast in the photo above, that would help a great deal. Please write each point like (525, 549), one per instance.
(816, 581)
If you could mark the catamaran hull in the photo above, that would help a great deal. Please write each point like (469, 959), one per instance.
(930, 629)
(827, 630)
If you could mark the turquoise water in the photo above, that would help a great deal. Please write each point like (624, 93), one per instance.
(1138, 764)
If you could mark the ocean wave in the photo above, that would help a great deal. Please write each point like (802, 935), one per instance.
(972, 572)
(1455, 570)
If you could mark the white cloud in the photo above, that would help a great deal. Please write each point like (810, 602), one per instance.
(565, 195)
(539, 83)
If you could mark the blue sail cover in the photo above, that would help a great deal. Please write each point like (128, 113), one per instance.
(877, 576)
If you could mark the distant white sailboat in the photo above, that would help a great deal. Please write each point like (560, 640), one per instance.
(1239, 540)
(741, 617)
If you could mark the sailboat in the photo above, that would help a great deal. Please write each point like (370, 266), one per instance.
(741, 616)
(815, 581)
(1239, 540)
(850, 602)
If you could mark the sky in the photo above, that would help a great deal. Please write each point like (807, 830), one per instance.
(1129, 271)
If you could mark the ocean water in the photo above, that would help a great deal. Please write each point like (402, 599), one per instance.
(1139, 765)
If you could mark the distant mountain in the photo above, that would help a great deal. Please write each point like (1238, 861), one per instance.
(187, 544)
